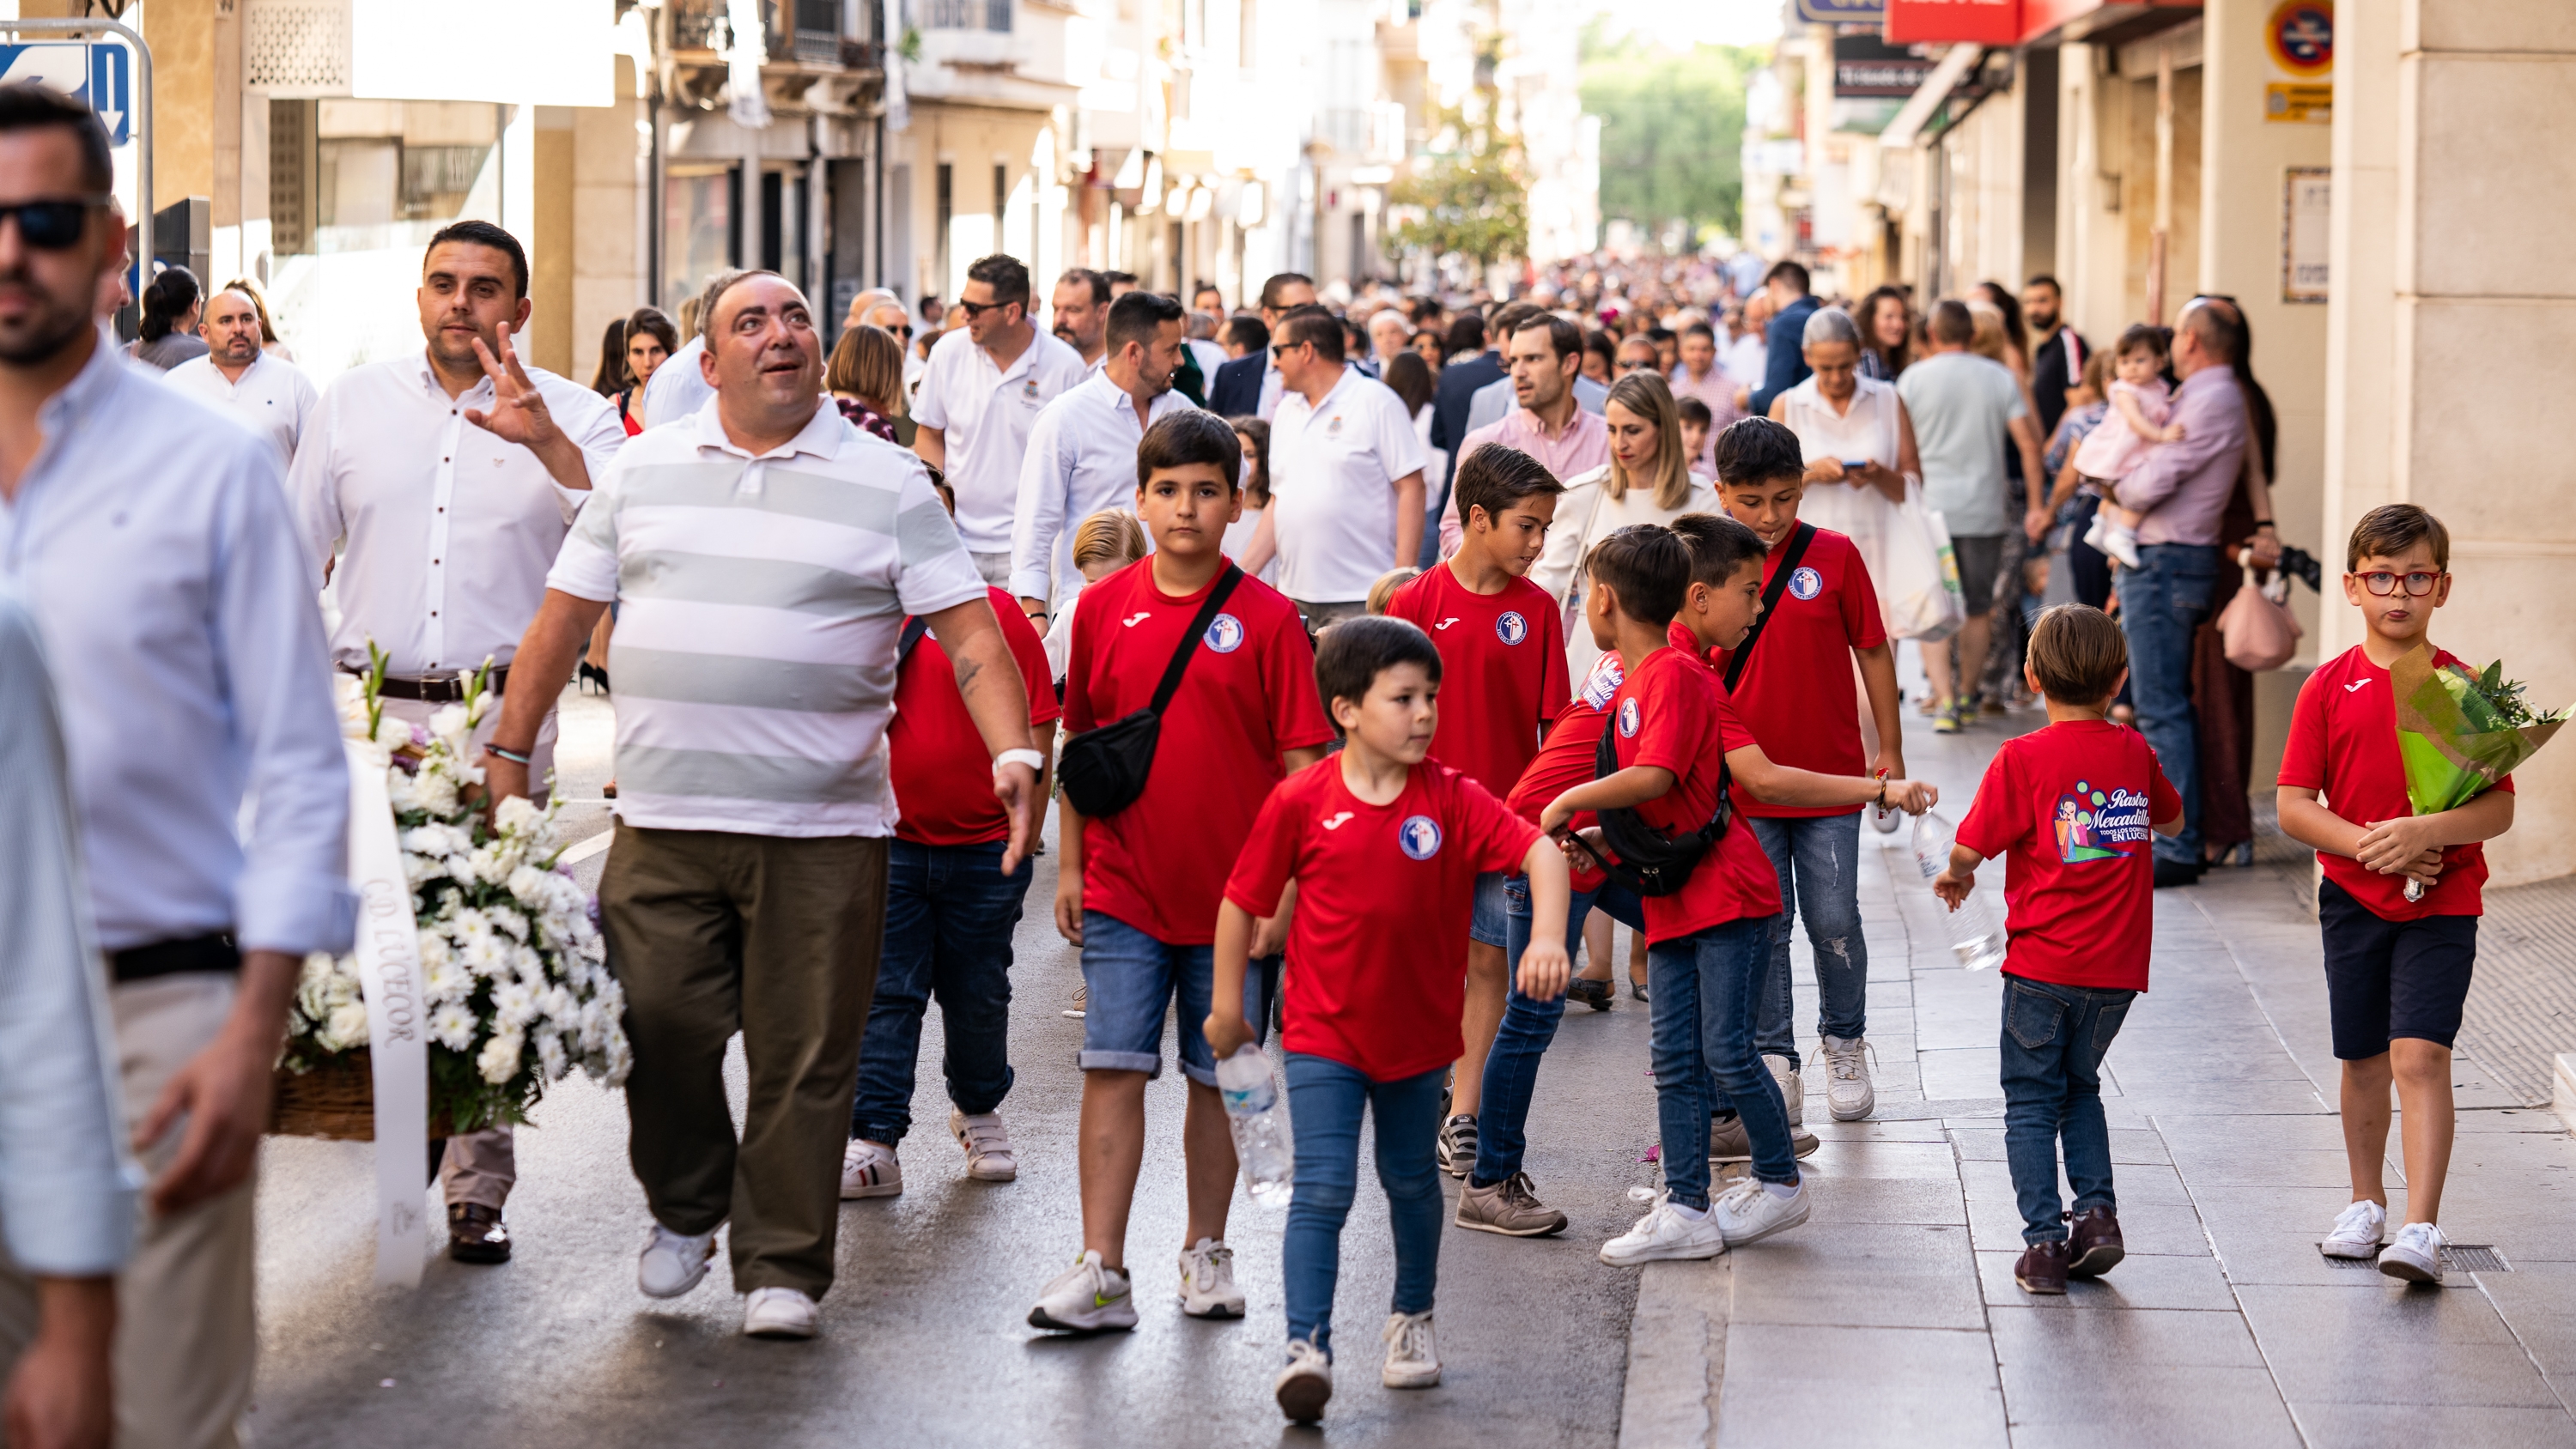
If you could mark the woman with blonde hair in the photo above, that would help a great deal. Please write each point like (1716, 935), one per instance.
(1647, 480)
(865, 376)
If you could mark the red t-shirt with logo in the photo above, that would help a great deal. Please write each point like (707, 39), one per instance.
(1673, 713)
(943, 777)
(1383, 896)
(1567, 758)
(1797, 693)
(1502, 671)
(2071, 809)
(2343, 744)
(1248, 695)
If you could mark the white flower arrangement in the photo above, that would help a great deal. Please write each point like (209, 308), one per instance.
(512, 967)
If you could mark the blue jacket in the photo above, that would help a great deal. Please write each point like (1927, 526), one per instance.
(1785, 354)
(1236, 390)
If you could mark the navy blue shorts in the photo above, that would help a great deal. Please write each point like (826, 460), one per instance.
(2386, 979)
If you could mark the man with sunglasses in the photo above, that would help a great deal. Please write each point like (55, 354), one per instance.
(2182, 490)
(148, 535)
(982, 392)
(445, 482)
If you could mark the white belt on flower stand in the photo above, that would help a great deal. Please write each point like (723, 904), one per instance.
(388, 956)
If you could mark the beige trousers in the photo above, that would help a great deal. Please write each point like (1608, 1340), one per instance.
(186, 1335)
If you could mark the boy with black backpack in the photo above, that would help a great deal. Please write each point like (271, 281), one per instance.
(1673, 747)
(1190, 692)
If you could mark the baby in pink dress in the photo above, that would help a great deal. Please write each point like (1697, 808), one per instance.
(2140, 402)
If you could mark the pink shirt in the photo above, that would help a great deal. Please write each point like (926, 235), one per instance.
(1718, 391)
(1582, 447)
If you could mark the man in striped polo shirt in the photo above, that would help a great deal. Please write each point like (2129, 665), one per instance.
(764, 553)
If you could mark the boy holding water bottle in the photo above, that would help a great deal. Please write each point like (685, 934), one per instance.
(2070, 808)
(1385, 849)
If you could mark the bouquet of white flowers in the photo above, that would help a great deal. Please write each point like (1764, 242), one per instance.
(512, 982)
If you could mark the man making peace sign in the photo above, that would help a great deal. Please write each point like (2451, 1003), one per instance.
(445, 481)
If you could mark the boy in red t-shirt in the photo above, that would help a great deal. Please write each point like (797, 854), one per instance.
(1385, 847)
(1675, 737)
(2073, 808)
(1795, 690)
(1138, 891)
(949, 915)
(2397, 971)
(1502, 654)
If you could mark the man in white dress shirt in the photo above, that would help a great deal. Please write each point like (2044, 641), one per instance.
(1345, 476)
(680, 387)
(270, 395)
(980, 397)
(451, 476)
(1082, 450)
(151, 540)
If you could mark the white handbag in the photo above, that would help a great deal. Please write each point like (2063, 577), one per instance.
(1919, 595)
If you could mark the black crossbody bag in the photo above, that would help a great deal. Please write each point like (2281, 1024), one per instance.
(1104, 768)
(1650, 862)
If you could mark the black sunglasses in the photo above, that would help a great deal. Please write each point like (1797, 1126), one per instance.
(53, 225)
(1282, 349)
(974, 310)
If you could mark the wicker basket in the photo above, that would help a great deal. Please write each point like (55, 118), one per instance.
(336, 1100)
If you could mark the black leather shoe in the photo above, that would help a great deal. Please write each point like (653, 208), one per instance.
(1594, 994)
(2175, 873)
(476, 1234)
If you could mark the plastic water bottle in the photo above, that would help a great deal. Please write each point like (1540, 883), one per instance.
(1976, 938)
(1258, 1115)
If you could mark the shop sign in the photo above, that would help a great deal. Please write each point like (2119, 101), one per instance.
(1842, 12)
(1865, 66)
(1953, 22)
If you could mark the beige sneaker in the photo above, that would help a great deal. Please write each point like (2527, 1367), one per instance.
(1793, 1090)
(1728, 1142)
(1509, 1208)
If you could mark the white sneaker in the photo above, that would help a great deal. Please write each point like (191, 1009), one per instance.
(777, 1313)
(1207, 1281)
(2357, 1230)
(2415, 1255)
(1086, 1298)
(1668, 1232)
(1793, 1091)
(1306, 1384)
(1848, 1093)
(1412, 1359)
(1749, 1212)
(869, 1169)
(988, 1148)
(673, 1263)
(1081, 1001)
(2120, 543)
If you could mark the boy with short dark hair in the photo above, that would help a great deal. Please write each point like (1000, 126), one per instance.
(2073, 808)
(2397, 970)
(1138, 890)
(1794, 688)
(1502, 654)
(1676, 738)
(1696, 420)
(1385, 847)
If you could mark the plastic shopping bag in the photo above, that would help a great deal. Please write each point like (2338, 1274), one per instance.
(1918, 591)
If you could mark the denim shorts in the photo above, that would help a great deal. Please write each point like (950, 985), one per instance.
(1130, 979)
(1488, 924)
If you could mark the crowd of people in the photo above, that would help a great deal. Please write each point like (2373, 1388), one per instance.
(1376, 660)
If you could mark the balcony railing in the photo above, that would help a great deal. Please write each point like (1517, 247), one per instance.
(992, 15)
(806, 32)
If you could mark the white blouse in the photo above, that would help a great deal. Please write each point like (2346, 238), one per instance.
(1586, 514)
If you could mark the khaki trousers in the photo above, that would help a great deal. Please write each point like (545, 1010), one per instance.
(186, 1336)
(710, 933)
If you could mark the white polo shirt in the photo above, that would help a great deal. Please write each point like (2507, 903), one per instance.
(273, 397)
(1333, 470)
(1081, 459)
(986, 413)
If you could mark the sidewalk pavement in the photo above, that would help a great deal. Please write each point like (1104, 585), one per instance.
(1892, 1317)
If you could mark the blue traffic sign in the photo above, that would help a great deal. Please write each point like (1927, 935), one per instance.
(103, 75)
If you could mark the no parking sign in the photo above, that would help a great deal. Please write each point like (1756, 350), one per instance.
(2300, 37)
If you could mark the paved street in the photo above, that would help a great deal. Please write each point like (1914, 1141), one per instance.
(1891, 1318)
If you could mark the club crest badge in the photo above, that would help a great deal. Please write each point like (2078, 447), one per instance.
(1420, 836)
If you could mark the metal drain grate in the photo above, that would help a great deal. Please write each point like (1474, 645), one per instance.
(2457, 1257)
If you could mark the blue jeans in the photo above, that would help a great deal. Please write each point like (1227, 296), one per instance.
(1705, 991)
(2161, 603)
(1132, 980)
(1325, 1099)
(2054, 1038)
(1818, 861)
(949, 914)
(1529, 1025)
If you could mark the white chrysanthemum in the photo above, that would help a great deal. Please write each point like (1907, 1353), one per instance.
(469, 926)
(551, 1056)
(392, 733)
(434, 790)
(514, 1004)
(465, 870)
(347, 1027)
(399, 788)
(452, 1026)
(561, 1008)
(313, 988)
(510, 922)
(340, 990)
(499, 1060)
(528, 884)
(484, 955)
(447, 981)
(435, 950)
(426, 839)
(515, 816)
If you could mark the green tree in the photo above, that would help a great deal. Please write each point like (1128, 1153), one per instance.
(1672, 129)
(1473, 200)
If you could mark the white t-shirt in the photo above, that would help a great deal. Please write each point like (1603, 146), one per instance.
(273, 398)
(1333, 470)
(678, 387)
(1080, 458)
(985, 413)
